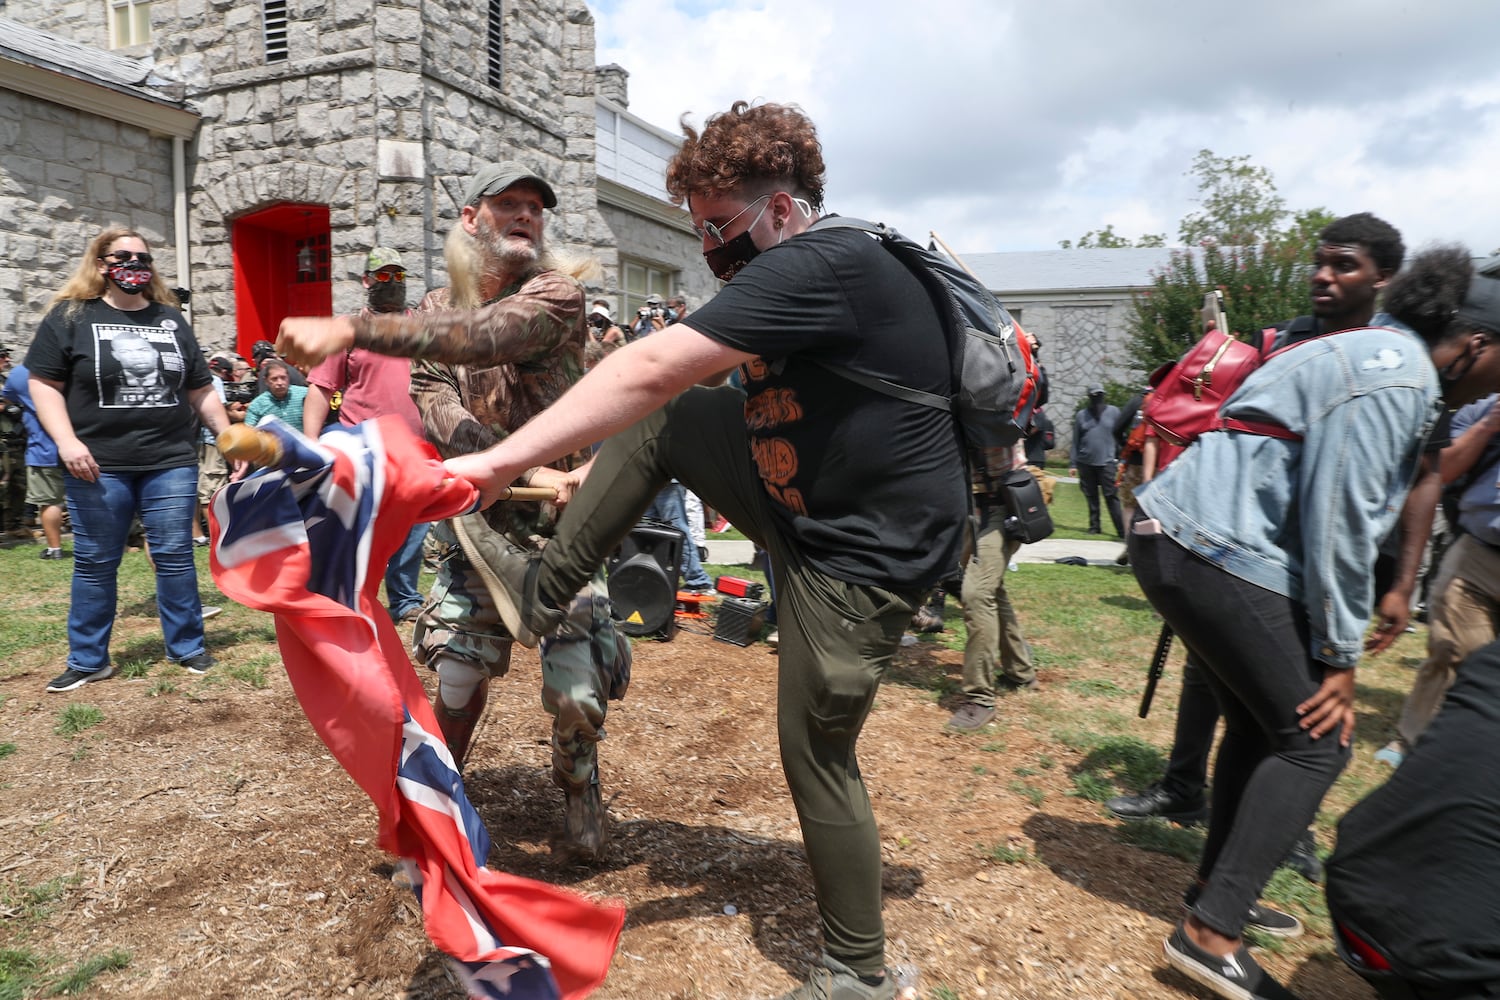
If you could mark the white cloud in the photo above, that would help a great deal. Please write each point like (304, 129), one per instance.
(1006, 124)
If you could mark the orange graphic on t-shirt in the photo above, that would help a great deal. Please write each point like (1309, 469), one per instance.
(789, 498)
(772, 408)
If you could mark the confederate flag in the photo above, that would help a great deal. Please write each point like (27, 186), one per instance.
(308, 541)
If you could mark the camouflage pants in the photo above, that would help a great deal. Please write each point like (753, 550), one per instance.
(583, 668)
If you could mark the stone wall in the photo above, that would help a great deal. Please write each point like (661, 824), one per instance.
(1084, 340)
(68, 174)
(661, 245)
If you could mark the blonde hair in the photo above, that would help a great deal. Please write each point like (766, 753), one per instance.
(87, 284)
(465, 259)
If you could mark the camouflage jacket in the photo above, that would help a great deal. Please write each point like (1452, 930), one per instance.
(485, 372)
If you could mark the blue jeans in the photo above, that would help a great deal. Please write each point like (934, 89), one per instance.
(401, 593)
(669, 507)
(102, 512)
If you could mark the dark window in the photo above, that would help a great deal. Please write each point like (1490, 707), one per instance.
(273, 12)
(495, 43)
(313, 259)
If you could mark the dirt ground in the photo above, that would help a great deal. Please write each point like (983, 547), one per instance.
(212, 837)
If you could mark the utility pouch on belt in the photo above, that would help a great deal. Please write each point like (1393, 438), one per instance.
(1025, 509)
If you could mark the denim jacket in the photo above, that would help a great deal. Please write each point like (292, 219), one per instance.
(1305, 518)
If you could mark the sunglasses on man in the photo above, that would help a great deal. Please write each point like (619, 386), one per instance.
(385, 276)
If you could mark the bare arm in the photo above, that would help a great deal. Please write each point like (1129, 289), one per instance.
(626, 386)
(1393, 608)
(1459, 457)
(52, 412)
(314, 410)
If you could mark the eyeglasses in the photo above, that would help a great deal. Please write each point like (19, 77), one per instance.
(384, 276)
(717, 232)
(126, 256)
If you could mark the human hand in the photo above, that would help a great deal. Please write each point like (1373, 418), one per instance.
(565, 483)
(479, 469)
(1331, 707)
(306, 340)
(1394, 610)
(78, 460)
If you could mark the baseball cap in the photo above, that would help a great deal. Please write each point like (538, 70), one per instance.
(1096, 389)
(599, 311)
(263, 349)
(383, 257)
(653, 299)
(1481, 305)
(496, 177)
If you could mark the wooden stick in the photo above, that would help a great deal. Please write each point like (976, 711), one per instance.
(949, 251)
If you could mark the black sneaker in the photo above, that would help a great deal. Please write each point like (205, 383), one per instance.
(72, 680)
(1263, 919)
(199, 664)
(1156, 801)
(1303, 858)
(1235, 976)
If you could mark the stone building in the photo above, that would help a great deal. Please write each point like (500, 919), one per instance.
(283, 140)
(1078, 303)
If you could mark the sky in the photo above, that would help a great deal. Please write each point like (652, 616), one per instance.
(1014, 124)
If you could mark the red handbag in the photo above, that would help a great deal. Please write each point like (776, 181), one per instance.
(1189, 392)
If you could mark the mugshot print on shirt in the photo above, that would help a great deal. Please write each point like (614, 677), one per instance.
(137, 365)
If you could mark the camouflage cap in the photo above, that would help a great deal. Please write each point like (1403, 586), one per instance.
(383, 257)
(496, 177)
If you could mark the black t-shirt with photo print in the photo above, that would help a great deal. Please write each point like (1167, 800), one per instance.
(126, 377)
(871, 487)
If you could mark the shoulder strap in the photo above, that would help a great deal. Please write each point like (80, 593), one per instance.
(938, 295)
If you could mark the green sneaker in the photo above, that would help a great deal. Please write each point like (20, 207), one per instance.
(836, 981)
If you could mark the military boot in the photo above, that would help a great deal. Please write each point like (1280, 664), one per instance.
(458, 724)
(585, 827)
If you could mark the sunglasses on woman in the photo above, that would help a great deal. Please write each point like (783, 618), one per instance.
(126, 256)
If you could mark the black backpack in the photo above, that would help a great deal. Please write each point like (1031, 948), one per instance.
(994, 376)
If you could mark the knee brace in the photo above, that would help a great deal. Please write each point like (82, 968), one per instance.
(457, 679)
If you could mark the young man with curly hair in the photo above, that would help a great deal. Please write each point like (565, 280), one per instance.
(859, 497)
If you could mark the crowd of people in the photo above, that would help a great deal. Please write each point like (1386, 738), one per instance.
(1266, 554)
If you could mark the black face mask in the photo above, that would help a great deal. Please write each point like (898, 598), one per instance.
(131, 278)
(730, 259)
(388, 296)
(1457, 370)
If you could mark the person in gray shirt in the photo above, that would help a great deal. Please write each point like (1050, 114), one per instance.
(1091, 457)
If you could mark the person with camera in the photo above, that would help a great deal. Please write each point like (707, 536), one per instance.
(652, 316)
(605, 334)
(995, 641)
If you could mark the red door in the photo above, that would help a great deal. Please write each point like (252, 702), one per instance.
(281, 269)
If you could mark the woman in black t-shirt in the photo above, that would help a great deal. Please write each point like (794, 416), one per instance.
(120, 385)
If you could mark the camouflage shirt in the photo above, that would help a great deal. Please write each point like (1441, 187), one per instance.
(483, 373)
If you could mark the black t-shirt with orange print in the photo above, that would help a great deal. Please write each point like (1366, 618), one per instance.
(870, 487)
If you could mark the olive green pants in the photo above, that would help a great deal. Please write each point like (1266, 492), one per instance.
(837, 638)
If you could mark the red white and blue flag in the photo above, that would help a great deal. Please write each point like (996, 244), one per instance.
(308, 541)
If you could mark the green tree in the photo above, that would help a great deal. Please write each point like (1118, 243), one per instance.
(1238, 203)
(1262, 284)
(1108, 239)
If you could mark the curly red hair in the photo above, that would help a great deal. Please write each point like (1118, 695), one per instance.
(750, 150)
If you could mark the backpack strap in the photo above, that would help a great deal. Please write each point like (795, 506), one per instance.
(941, 302)
(1262, 427)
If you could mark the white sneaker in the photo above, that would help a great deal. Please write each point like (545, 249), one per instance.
(211, 611)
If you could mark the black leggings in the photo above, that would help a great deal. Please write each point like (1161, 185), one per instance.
(1269, 776)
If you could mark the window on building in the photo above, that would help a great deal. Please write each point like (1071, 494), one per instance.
(495, 43)
(129, 23)
(273, 16)
(640, 280)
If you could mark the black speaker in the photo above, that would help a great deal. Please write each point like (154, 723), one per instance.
(643, 576)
